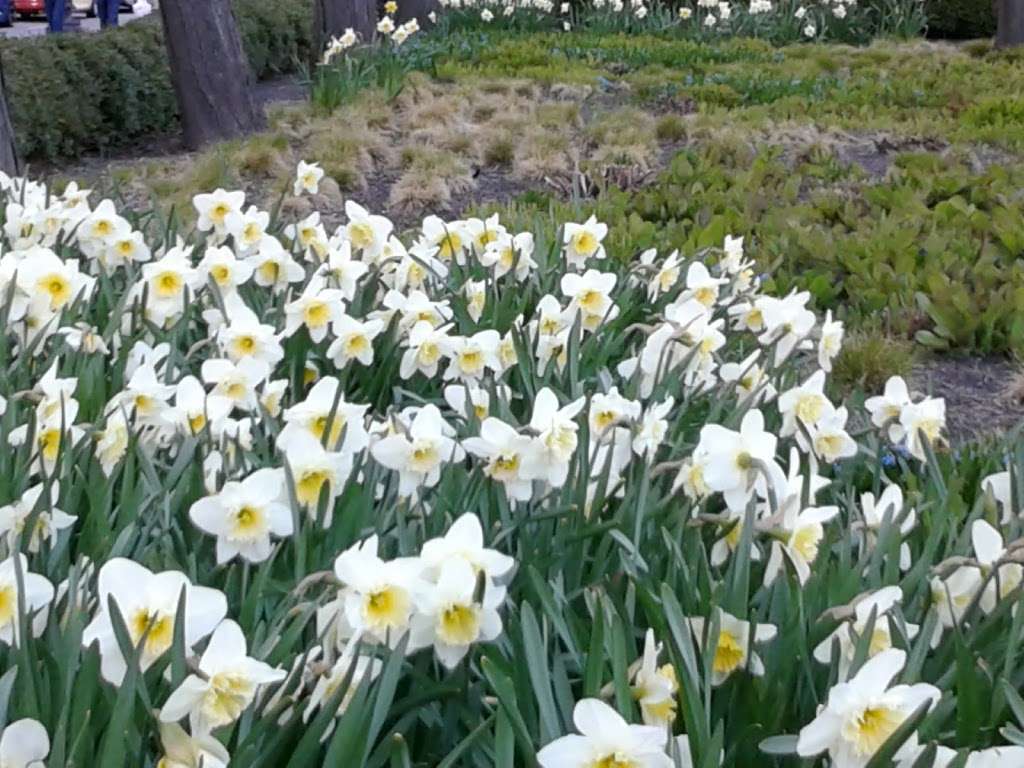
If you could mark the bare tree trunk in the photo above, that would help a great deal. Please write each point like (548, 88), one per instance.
(417, 9)
(1011, 23)
(8, 149)
(211, 75)
(332, 17)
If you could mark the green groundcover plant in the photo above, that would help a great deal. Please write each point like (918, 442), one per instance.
(274, 495)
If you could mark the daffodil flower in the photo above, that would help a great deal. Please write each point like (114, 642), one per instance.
(24, 744)
(732, 650)
(148, 604)
(864, 712)
(606, 740)
(35, 594)
(227, 686)
(244, 515)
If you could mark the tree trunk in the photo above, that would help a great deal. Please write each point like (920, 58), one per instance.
(332, 17)
(211, 75)
(1011, 23)
(8, 149)
(417, 9)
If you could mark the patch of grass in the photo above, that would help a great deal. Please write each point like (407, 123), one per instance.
(868, 360)
(670, 128)
(500, 150)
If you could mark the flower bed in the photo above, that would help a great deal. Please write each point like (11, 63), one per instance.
(290, 496)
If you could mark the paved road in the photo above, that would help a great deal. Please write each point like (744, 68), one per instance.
(37, 26)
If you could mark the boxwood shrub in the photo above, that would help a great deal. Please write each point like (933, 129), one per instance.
(71, 94)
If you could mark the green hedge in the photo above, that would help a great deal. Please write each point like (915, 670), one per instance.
(960, 19)
(72, 94)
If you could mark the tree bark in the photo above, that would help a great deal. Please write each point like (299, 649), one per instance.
(417, 9)
(211, 75)
(1010, 31)
(8, 149)
(332, 17)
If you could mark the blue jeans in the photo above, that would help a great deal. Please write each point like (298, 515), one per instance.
(107, 11)
(55, 15)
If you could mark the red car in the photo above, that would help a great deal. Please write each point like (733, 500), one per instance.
(27, 8)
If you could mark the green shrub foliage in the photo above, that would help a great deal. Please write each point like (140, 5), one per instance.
(72, 94)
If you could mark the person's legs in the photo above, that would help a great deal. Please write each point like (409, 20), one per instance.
(107, 11)
(55, 15)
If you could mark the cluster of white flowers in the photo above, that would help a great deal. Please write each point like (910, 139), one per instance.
(443, 313)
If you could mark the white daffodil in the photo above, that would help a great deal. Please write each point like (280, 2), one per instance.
(608, 410)
(999, 485)
(733, 458)
(589, 295)
(475, 292)
(165, 285)
(606, 741)
(307, 178)
(342, 270)
(923, 423)
(583, 241)
(700, 285)
(864, 712)
(888, 506)
(990, 551)
(368, 233)
(471, 356)
(805, 404)
(350, 666)
(951, 597)
(751, 380)
(885, 409)
(113, 441)
(316, 471)
(237, 382)
(470, 400)
(510, 254)
(655, 688)
(220, 266)
(380, 597)
(249, 231)
(316, 309)
(732, 649)
(787, 323)
(847, 635)
(354, 340)
(557, 437)
(829, 439)
(215, 208)
(414, 308)
(451, 619)
(36, 594)
(243, 335)
(24, 744)
(273, 267)
(465, 541)
(310, 236)
(419, 453)
(227, 684)
(801, 535)
(509, 457)
(48, 519)
(193, 409)
(653, 428)
(483, 232)
(426, 346)
(244, 515)
(451, 239)
(148, 604)
(184, 751)
(831, 342)
(326, 416)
